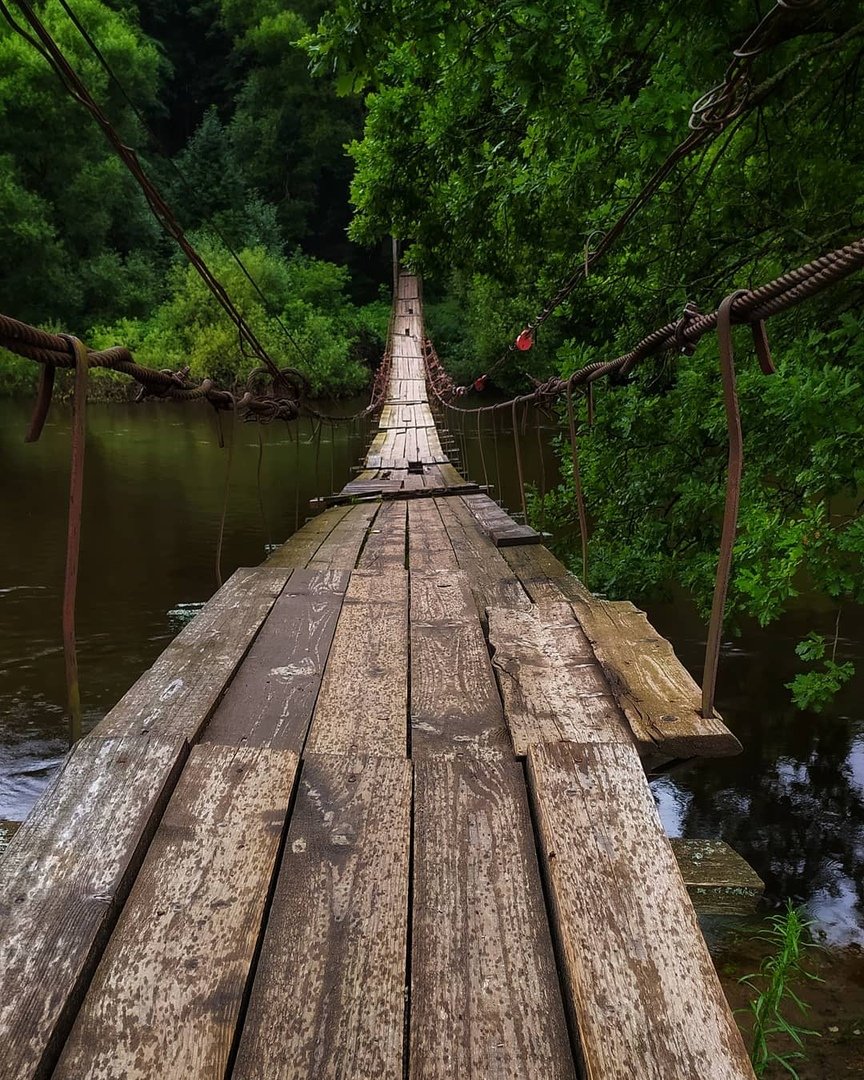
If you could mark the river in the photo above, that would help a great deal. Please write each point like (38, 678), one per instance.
(792, 804)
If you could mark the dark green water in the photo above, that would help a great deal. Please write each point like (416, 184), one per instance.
(792, 804)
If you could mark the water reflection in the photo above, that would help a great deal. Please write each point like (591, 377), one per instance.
(154, 485)
(793, 803)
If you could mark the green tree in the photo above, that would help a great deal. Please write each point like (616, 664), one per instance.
(501, 141)
(78, 238)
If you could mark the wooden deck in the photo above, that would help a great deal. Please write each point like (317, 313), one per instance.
(379, 811)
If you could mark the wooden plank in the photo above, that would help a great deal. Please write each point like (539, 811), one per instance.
(166, 997)
(65, 878)
(269, 701)
(553, 687)
(543, 576)
(386, 538)
(485, 995)
(299, 549)
(658, 696)
(328, 999)
(645, 995)
(341, 548)
(452, 477)
(179, 692)
(429, 546)
(718, 879)
(363, 702)
(497, 523)
(493, 583)
(455, 707)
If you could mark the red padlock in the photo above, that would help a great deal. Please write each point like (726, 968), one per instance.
(480, 382)
(525, 341)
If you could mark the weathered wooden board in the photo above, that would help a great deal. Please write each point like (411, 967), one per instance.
(493, 583)
(501, 529)
(452, 477)
(718, 879)
(269, 701)
(362, 704)
(166, 997)
(658, 696)
(178, 693)
(485, 995)
(341, 548)
(552, 685)
(544, 577)
(386, 538)
(299, 549)
(328, 1001)
(455, 707)
(64, 879)
(429, 546)
(645, 995)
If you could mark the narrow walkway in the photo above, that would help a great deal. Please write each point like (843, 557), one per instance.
(380, 811)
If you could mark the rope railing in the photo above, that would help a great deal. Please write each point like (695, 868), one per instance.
(681, 335)
(744, 306)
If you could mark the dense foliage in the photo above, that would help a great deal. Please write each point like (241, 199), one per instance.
(249, 151)
(502, 139)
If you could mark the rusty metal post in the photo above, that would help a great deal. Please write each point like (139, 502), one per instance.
(577, 482)
(43, 403)
(73, 534)
(519, 463)
(497, 459)
(482, 452)
(542, 472)
(733, 496)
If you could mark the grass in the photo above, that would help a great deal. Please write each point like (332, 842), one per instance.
(773, 985)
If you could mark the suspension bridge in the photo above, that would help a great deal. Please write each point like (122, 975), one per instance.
(380, 810)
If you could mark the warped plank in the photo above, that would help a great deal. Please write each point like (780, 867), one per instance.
(497, 523)
(64, 879)
(658, 696)
(552, 685)
(341, 548)
(178, 693)
(299, 549)
(385, 540)
(455, 707)
(429, 546)
(645, 995)
(269, 701)
(166, 997)
(328, 998)
(485, 995)
(362, 704)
